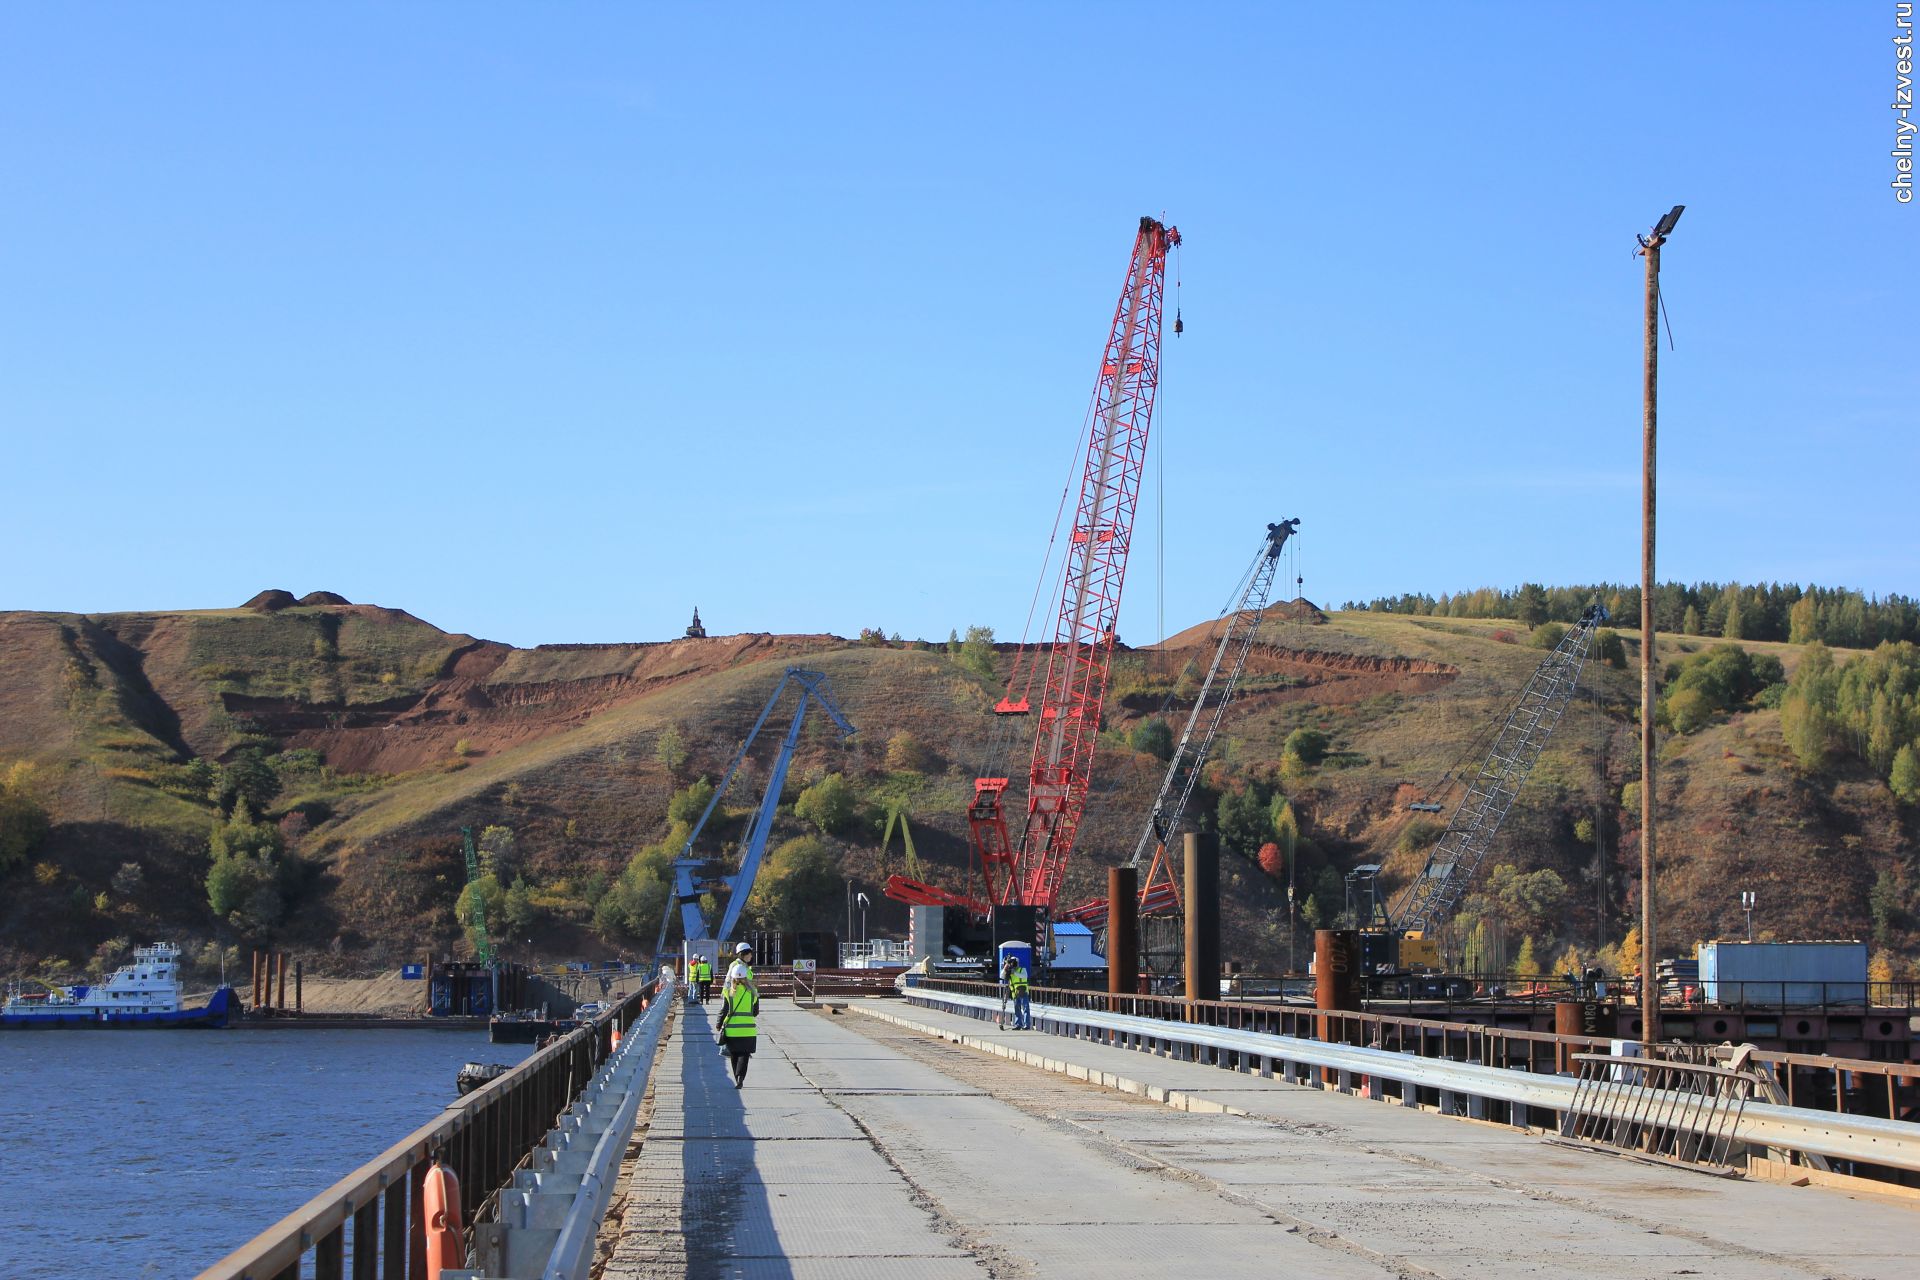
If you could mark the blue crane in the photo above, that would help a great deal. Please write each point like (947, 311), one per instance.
(688, 883)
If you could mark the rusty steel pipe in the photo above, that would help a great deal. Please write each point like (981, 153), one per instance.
(1203, 916)
(1123, 931)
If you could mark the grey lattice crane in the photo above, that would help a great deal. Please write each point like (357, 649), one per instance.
(1158, 892)
(1455, 858)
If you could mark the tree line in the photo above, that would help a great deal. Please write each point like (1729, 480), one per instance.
(1839, 617)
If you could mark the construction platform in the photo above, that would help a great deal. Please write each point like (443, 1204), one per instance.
(890, 1140)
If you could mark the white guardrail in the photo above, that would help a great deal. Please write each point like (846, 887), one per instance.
(1463, 1086)
(551, 1214)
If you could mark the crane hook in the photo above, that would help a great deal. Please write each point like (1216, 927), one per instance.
(1179, 325)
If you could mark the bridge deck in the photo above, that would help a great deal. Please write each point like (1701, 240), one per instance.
(862, 1146)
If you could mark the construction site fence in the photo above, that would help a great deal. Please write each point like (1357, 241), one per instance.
(1810, 1085)
(371, 1225)
(813, 984)
(1783, 998)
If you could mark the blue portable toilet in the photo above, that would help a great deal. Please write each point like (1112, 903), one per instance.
(1023, 951)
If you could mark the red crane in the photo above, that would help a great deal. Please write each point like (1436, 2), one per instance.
(1031, 871)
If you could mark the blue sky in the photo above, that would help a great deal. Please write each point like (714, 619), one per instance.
(548, 323)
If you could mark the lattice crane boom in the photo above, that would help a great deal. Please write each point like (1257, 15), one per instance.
(1096, 568)
(482, 944)
(1030, 870)
(1455, 858)
(1158, 891)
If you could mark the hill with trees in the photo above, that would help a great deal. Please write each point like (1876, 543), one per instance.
(297, 772)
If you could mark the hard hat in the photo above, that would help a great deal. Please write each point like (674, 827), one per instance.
(744, 948)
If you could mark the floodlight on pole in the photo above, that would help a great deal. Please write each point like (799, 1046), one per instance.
(1748, 899)
(1650, 250)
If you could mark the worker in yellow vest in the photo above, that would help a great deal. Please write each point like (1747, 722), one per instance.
(1015, 974)
(739, 1012)
(702, 979)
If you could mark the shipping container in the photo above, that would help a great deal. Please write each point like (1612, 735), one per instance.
(1784, 973)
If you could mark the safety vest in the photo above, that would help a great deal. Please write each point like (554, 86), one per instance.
(738, 1019)
(702, 971)
(1017, 981)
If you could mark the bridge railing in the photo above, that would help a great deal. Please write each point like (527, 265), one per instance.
(1524, 1078)
(370, 1225)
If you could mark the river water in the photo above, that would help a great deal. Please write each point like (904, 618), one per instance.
(156, 1153)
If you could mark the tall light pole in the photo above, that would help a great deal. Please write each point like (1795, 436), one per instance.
(1649, 986)
(1748, 900)
(862, 898)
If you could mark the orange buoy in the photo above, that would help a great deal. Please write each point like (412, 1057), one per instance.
(440, 1199)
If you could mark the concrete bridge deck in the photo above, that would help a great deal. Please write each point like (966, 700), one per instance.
(865, 1144)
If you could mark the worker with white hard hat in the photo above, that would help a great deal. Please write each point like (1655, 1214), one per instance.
(739, 1013)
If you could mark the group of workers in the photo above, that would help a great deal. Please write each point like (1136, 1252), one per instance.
(740, 1003)
(739, 1006)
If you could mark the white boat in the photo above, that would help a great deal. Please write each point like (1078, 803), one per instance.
(145, 993)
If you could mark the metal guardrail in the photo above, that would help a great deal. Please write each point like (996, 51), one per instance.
(371, 1223)
(1451, 1085)
(550, 1216)
(1781, 997)
(1889, 1089)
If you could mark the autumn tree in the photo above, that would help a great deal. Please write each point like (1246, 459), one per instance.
(976, 652)
(799, 888)
(1272, 860)
(670, 749)
(246, 879)
(1905, 775)
(23, 819)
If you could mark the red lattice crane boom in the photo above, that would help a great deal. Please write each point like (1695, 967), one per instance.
(1030, 871)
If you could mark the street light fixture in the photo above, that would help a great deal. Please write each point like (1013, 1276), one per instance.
(1747, 900)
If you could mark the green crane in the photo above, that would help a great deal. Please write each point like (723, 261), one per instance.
(483, 946)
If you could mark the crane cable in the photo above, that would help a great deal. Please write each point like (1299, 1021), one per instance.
(1000, 740)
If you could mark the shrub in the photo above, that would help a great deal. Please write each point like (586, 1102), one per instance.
(690, 802)
(1547, 635)
(1152, 737)
(1609, 648)
(1418, 835)
(1706, 684)
(828, 804)
(907, 754)
(1309, 746)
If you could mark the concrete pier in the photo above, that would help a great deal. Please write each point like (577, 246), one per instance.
(893, 1140)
